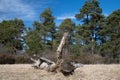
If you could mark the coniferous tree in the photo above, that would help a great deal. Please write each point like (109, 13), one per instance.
(11, 34)
(68, 26)
(43, 34)
(48, 26)
(111, 33)
(33, 41)
(91, 18)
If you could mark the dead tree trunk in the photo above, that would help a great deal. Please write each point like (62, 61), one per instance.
(57, 67)
(60, 47)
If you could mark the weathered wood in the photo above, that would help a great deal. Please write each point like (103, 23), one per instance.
(42, 62)
(58, 65)
(36, 63)
(76, 65)
(60, 47)
(67, 72)
(46, 60)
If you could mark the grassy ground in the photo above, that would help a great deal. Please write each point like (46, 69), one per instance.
(87, 72)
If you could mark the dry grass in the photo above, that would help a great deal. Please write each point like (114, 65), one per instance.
(88, 72)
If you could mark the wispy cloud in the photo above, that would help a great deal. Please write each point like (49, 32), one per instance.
(72, 16)
(15, 8)
(64, 16)
(23, 9)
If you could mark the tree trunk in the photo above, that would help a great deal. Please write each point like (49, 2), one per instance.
(60, 47)
(58, 66)
(92, 48)
(55, 67)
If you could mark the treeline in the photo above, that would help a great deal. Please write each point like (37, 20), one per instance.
(95, 39)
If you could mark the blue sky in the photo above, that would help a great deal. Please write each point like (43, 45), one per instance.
(29, 10)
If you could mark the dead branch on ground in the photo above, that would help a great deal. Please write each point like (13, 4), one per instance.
(44, 63)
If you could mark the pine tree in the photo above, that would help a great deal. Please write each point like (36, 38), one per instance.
(111, 33)
(33, 41)
(67, 26)
(91, 17)
(47, 22)
(43, 34)
(11, 34)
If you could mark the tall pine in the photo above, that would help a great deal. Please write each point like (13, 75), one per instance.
(111, 33)
(90, 16)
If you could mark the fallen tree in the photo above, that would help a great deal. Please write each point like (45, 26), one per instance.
(44, 63)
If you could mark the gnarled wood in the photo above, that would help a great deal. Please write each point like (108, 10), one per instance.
(56, 67)
(46, 60)
(61, 46)
(42, 62)
(76, 65)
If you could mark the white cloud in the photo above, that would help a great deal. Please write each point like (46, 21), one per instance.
(64, 16)
(15, 8)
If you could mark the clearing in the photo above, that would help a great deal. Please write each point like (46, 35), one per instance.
(87, 72)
